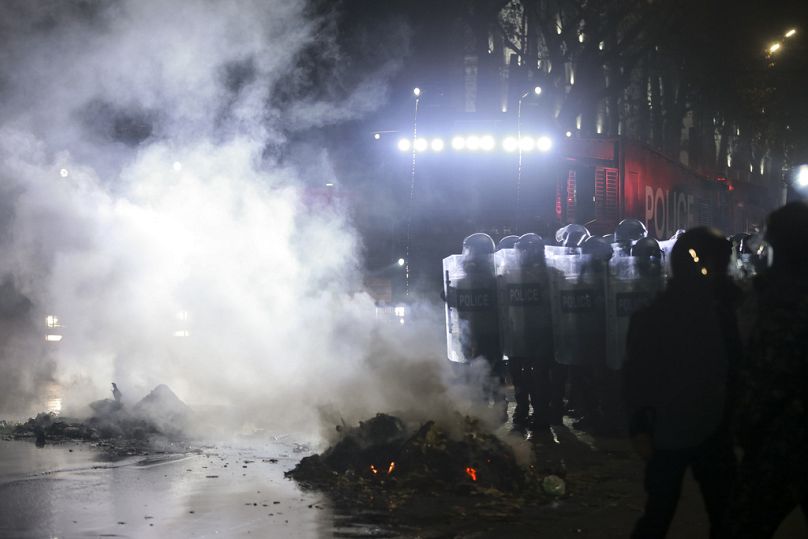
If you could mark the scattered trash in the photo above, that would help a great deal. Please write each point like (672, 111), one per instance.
(554, 485)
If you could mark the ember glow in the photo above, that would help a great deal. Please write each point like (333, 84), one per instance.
(471, 472)
(374, 469)
(391, 467)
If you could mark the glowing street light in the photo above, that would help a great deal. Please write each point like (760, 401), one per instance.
(510, 144)
(487, 143)
(537, 90)
(377, 136)
(420, 145)
(568, 134)
(400, 262)
(436, 145)
(802, 176)
(473, 143)
(774, 47)
(791, 32)
(404, 145)
(458, 143)
(544, 144)
(416, 92)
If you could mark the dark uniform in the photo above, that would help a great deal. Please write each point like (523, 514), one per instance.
(772, 409)
(680, 350)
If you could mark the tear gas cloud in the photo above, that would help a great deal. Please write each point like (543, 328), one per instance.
(143, 202)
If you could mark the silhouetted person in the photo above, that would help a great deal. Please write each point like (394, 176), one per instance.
(772, 414)
(116, 393)
(679, 352)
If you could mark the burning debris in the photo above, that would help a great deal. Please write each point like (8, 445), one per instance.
(159, 420)
(386, 465)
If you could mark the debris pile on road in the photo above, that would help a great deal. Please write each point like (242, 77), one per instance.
(384, 463)
(159, 421)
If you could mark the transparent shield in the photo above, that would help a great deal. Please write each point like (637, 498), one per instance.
(577, 285)
(524, 306)
(472, 323)
(632, 283)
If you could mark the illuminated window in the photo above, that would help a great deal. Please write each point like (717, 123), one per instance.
(52, 321)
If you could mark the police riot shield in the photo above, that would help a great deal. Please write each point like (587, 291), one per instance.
(577, 302)
(666, 246)
(472, 326)
(524, 305)
(632, 283)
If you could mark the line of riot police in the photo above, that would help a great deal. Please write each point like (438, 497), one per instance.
(556, 315)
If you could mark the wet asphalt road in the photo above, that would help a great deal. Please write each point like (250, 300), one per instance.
(67, 491)
(71, 490)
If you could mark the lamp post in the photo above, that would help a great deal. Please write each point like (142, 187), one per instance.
(536, 91)
(406, 261)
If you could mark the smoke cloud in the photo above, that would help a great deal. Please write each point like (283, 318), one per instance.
(145, 201)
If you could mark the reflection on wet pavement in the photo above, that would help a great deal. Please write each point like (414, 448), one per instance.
(67, 490)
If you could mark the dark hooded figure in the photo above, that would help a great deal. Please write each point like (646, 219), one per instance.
(772, 410)
(680, 350)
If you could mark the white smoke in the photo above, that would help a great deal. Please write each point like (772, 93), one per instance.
(143, 201)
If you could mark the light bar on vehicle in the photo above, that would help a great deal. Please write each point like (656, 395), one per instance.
(478, 143)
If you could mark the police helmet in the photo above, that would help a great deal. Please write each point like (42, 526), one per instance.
(646, 248)
(598, 248)
(507, 242)
(629, 230)
(699, 254)
(531, 247)
(477, 245)
(572, 235)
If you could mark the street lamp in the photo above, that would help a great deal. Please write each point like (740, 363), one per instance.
(791, 32)
(802, 177)
(774, 47)
(544, 144)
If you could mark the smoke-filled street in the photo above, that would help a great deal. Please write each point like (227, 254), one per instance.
(496, 268)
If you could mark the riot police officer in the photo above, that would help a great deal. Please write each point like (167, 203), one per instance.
(471, 311)
(526, 325)
(577, 303)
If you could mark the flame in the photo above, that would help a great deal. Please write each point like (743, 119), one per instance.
(373, 469)
(471, 472)
(391, 467)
